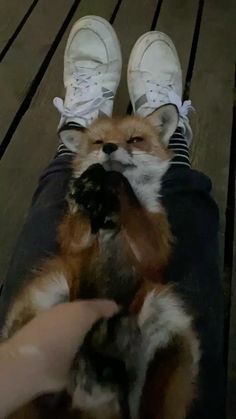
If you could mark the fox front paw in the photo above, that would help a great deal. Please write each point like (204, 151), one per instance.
(86, 194)
(92, 194)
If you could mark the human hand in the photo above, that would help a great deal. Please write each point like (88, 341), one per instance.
(50, 341)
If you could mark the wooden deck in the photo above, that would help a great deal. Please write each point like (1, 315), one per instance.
(32, 40)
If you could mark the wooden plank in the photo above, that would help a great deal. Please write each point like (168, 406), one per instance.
(129, 25)
(34, 143)
(27, 53)
(10, 17)
(177, 19)
(230, 260)
(212, 94)
(231, 399)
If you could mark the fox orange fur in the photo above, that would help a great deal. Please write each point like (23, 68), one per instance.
(115, 242)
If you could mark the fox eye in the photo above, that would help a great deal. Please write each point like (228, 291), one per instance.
(98, 142)
(134, 140)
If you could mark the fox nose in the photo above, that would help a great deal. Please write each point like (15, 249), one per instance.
(109, 148)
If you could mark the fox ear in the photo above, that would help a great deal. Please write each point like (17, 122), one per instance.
(165, 119)
(72, 138)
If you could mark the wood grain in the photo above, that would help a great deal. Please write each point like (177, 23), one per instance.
(177, 19)
(10, 18)
(34, 143)
(35, 140)
(25, 56)
(212, 95)
(132, 21)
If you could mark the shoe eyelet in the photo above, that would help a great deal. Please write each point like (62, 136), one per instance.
(151, 90)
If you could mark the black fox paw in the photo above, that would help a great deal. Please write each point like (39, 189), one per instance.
(87, 189)
(92, 193)
(86, 193)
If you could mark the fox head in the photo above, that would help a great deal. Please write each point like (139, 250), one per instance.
(132, 145)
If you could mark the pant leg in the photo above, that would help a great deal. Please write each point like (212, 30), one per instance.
(194, 267)
(38, 236)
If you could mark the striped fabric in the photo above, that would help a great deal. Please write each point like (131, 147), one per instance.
(63, 151)
(179, 145)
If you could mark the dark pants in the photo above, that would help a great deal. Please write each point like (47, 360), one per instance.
(193, 216)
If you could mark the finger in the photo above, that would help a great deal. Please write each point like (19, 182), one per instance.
(79, 316)
(101, 308)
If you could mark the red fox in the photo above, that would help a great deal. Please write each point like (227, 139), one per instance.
(115, 242)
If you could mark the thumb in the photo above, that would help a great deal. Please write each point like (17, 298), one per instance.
(89, 312)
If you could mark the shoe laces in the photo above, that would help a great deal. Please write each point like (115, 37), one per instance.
(163, 90)
(84, 95)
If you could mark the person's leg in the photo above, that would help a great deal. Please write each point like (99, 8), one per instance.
(91, 80)
(155, 79)
(38, 236)
(194, 267)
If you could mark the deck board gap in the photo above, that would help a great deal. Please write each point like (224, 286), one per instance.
(37, 80)
(115, 12)
(153, 26)
(193, 50)
(9, 43)
(156, 15)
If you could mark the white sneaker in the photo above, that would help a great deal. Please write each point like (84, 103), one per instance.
(92, 68)
(155, 78)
